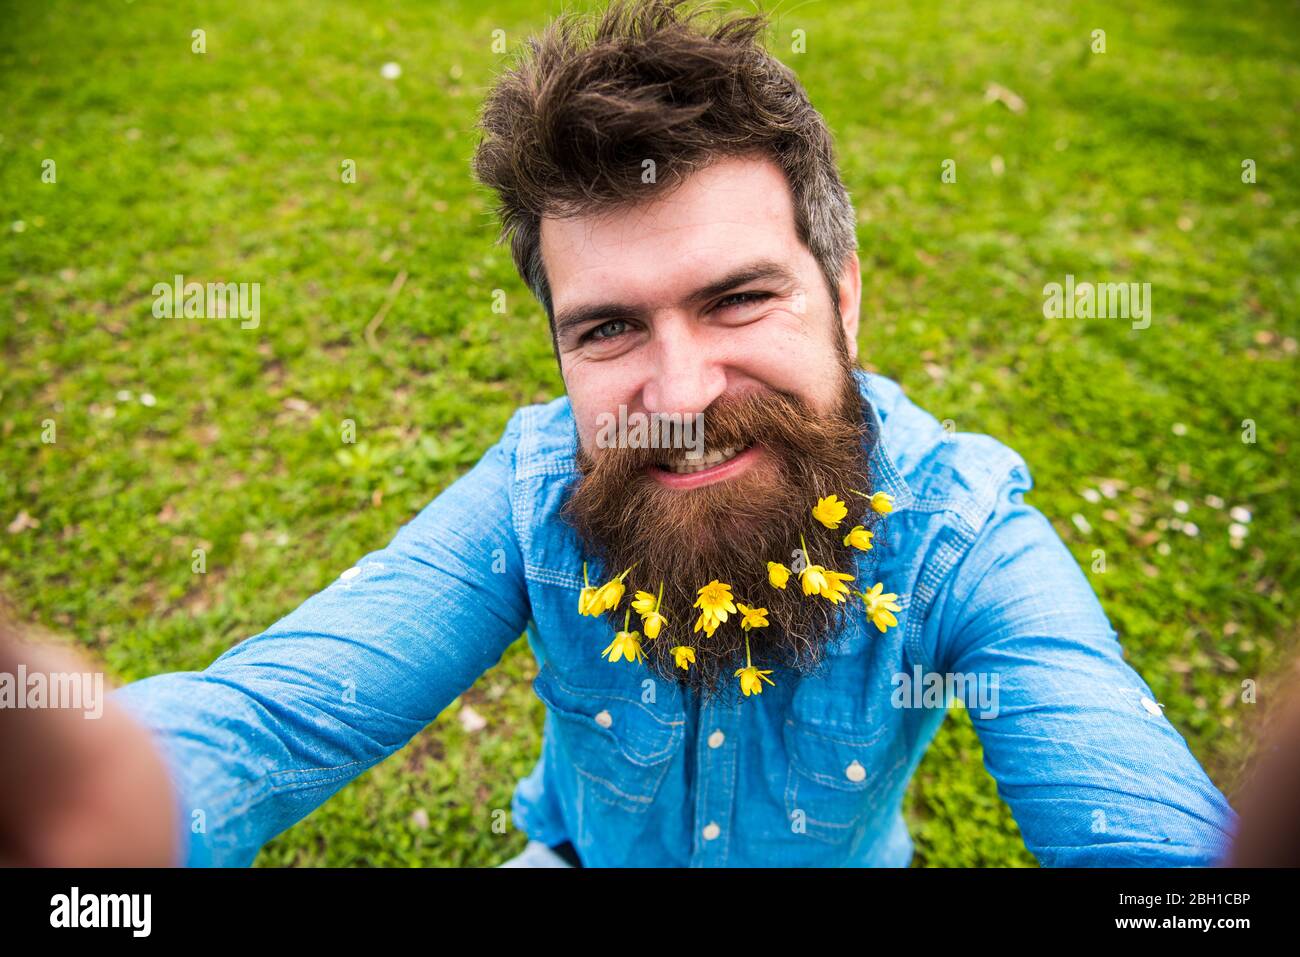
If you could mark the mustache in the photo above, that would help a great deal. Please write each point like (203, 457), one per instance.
(779, 420)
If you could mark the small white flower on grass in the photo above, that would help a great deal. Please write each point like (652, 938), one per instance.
(1179, 429)
(146, 398)
(1240, 514)
(1181, 507)
(471, 720)
(390, 71)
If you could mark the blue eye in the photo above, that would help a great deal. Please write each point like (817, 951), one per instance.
(596, 332)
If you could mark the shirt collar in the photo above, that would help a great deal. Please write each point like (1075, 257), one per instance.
(885, 476)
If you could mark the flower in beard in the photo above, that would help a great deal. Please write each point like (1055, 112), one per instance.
(683, 657)
(829, 584)
(813, 580)
(587, 604)
(606, 597)
(859, 538)
(626, 644)
(752, 617)
(728, 530)
(751, 679)
(837, 587)
(653, 623)
(647, 605)
(715, 604)
(777, 574)
(830, 511)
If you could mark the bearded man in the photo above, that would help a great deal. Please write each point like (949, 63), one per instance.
(738, 650)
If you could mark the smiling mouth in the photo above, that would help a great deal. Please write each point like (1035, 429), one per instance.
(717, 465)
(689, 466)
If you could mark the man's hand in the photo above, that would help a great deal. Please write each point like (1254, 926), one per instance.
(78, 791)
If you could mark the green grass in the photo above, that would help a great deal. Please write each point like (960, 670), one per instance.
(1123, 166)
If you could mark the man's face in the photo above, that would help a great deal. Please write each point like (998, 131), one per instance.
(665, 306)
(703, 302)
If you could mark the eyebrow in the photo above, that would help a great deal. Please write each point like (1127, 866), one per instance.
(762, 269)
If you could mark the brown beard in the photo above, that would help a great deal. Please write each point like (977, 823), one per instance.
(730, 530)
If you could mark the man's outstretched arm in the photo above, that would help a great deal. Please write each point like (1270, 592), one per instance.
(1094, 773)
(283, 720)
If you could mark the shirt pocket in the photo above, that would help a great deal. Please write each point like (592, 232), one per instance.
(837, 779)
(620, 747)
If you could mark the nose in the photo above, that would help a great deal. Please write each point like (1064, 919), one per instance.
(683, 374)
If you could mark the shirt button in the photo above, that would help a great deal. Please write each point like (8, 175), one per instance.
(711, 831)
(855, 772)
(716, 739)
(604, 719)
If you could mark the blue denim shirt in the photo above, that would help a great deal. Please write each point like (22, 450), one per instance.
(637, 772)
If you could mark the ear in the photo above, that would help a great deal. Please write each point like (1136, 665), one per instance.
(850, 296)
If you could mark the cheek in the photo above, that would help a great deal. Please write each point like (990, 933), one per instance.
(781, 353)
(594, 397)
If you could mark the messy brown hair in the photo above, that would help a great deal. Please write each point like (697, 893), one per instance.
(569, 128)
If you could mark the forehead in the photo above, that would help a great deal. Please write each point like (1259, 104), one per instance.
(730, 213)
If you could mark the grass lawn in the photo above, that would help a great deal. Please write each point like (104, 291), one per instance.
(178, 434)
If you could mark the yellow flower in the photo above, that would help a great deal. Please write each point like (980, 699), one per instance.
(684, 656)
(777, 574)
(709, 625)
(813, 579)
(859, 538)
(648, 605)
(882, 502)
(653, 623)
(587, 604)
(753, 617)
(751, 680)
(835, 589)
(626, 644)
(880, 606)
(607, 595)
(830, 511)
(715, 604)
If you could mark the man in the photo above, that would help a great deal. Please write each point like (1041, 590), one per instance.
(746, 635)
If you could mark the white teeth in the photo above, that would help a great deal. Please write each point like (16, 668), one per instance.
(717, 456)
